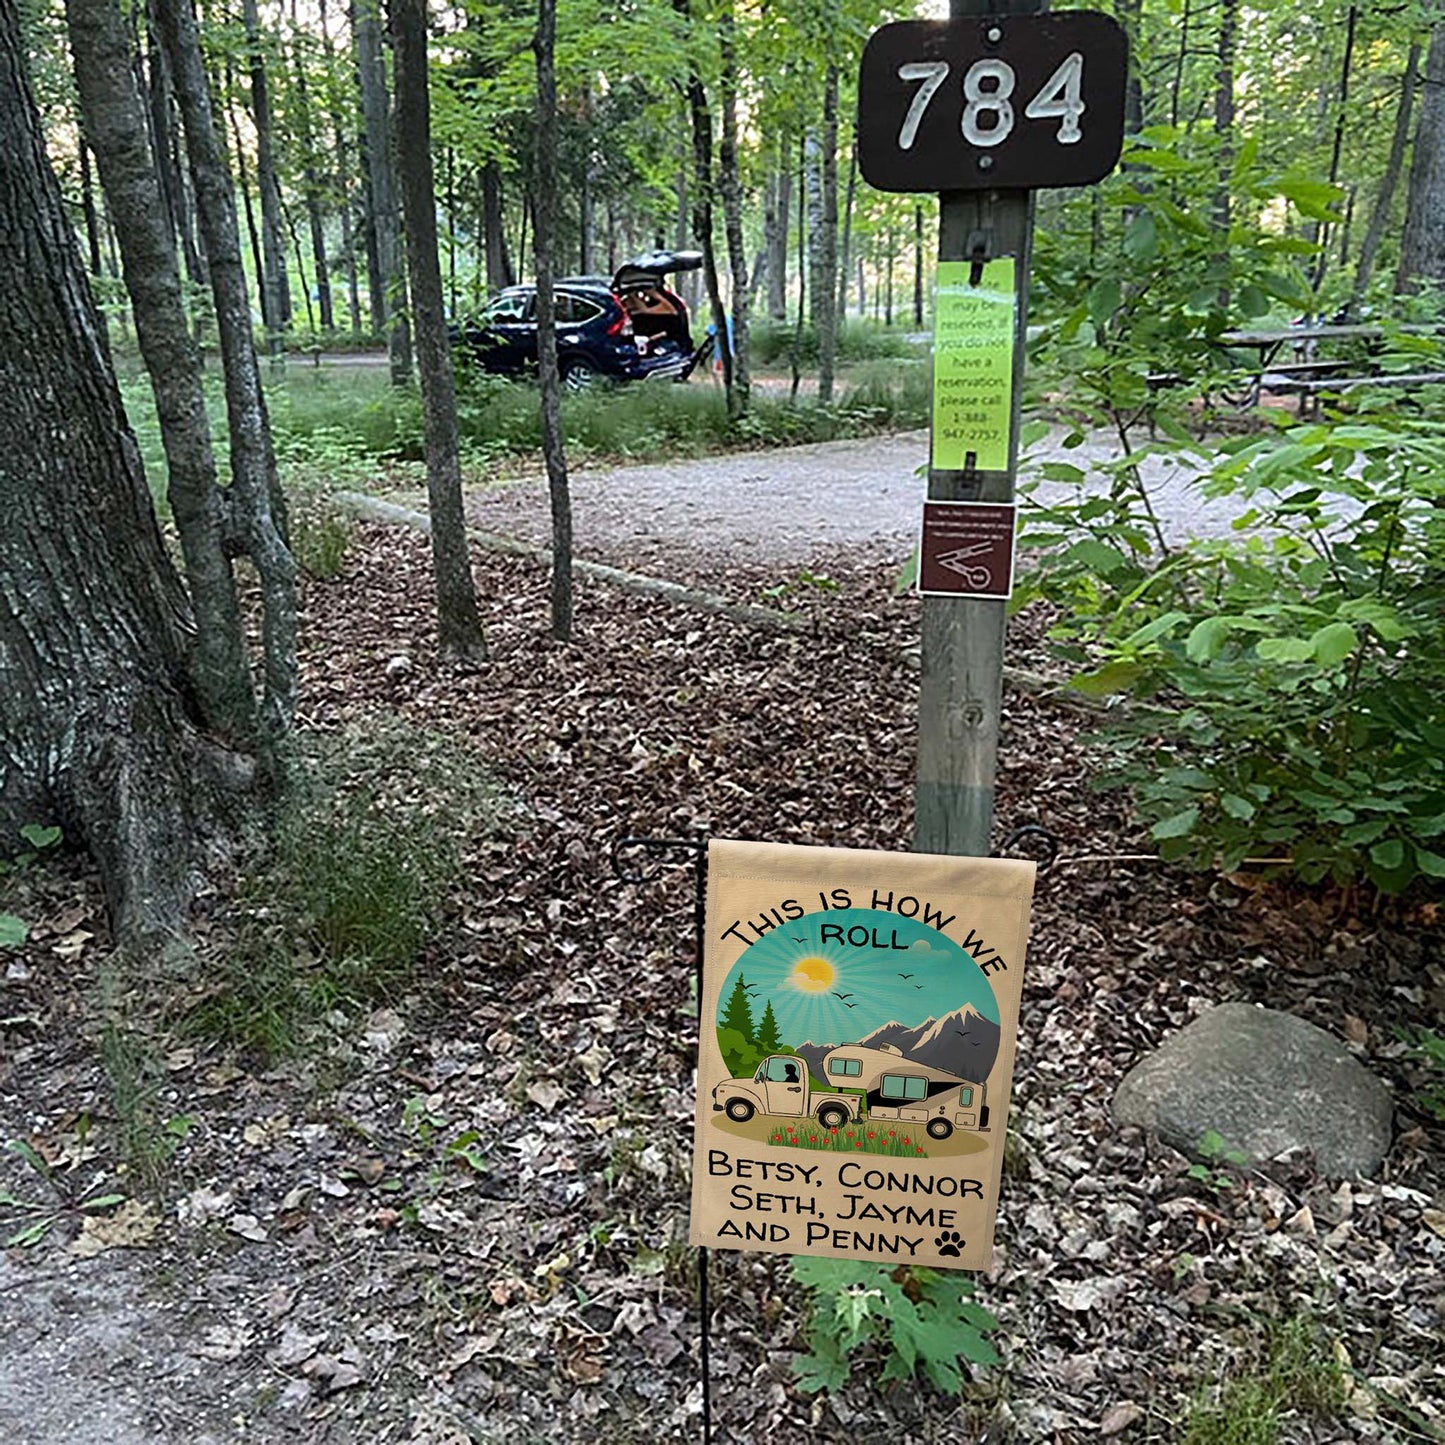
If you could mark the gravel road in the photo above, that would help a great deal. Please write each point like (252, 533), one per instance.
(790, 506)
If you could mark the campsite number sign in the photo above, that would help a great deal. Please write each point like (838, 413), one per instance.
(1002, 102)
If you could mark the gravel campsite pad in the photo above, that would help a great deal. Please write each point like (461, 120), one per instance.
(460, 1215)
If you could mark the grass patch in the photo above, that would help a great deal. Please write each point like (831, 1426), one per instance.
(771, 343)
(148, 1132)
(337, 918)
(1290, 1372)
(334, 425)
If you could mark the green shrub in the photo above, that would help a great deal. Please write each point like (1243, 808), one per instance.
(1284, 687)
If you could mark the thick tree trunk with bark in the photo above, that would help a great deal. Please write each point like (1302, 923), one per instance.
(257, 523)
(388, 299)
(1422, 246)
(730, 186)
(115, 121)
(545, 219)
(459, 626)
(99, 727)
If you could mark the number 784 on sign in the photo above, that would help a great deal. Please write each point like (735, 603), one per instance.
(999, 102)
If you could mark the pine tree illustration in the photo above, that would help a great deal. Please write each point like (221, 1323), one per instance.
(738, 1014)
(767, 1040)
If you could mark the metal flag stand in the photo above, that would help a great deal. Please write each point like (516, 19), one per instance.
(655, 856)
(656, 853)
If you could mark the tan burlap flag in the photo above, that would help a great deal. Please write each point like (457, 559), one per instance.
(859, 1017)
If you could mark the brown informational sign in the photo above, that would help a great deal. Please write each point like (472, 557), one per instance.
(859, 1017)
(1009, 102)
(967, 549)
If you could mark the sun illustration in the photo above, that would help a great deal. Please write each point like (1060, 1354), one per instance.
(812, 974)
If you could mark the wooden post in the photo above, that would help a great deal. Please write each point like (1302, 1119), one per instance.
(960, 699)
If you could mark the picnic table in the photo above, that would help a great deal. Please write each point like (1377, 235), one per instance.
(1288, 359)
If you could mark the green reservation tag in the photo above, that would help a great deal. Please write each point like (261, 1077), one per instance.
(973, 364)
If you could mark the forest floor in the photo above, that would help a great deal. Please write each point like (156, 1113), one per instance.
(459, 1212)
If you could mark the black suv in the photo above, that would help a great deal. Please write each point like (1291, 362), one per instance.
(626, 329)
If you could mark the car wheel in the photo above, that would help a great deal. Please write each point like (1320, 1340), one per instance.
(740, 1111)
(939, 1128)
(832, 1116)
(580, 376)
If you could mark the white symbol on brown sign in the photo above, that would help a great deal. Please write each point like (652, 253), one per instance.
(979, 578)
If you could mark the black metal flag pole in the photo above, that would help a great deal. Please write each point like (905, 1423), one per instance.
(656, 851)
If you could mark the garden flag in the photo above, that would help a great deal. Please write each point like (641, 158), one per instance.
(859, 1017)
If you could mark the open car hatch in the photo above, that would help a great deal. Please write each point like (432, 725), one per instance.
(649, 268)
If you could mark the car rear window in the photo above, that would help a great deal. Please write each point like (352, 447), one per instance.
(576, 309)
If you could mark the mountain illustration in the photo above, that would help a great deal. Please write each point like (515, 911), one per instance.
(962, 1042)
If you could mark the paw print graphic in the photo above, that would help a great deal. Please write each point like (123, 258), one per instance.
(950, 1242)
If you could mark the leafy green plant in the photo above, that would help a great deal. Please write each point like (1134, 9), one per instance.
(1428, 1048)
(1214, 1152)
(14, 930)
(803, 581)
(1287, 1373)
(921, 1319)
(30, 1220)
(1282, 685)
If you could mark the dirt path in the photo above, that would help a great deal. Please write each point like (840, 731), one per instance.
(791, 507)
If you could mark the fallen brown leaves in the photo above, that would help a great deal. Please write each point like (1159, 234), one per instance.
(465, 1215)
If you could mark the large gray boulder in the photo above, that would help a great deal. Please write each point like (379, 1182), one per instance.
(1266, 1082)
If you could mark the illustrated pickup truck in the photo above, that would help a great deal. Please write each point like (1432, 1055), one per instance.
(872, 1083)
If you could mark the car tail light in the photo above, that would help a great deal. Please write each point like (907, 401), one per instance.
(622, 326)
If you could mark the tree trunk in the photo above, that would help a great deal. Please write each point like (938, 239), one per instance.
(825, 283)
(273, 239)
(253, 235)
(730, 186)
(846, 257)
(258, 509)
(311, 182)
(702, 218)
(459, 628)
(499, 263)
(1224, 130)
(544, 202)
(88, 211)
(1422, 246)
(381, 168)
(776, 215)
(166, 153)
(115, 122)
(1389, 183)
(99, 727)
(342, 181)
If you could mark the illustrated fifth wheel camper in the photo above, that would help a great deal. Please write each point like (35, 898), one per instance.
(873, 1083)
